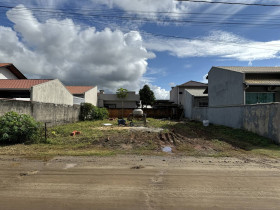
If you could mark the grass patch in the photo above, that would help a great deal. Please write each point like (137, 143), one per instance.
(99, 140)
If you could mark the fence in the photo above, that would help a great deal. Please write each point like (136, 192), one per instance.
(154, 113)
(43, 112)
(263, 119)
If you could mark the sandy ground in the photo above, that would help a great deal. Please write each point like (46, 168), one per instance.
(139, 182)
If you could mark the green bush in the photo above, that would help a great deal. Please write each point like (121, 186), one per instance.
(86, 111)
(99, 113)
(91, 112)
(19, 128)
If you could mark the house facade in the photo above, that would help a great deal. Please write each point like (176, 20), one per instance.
(83, 94)
(38, 90)
(9, 71)
(231, 85)
(193, 99)
(176, 93)
(14, 85)
(132, 100)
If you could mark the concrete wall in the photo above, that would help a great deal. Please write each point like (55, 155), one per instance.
(78, 100)
(175, 95)
(91, 96)
(42, 112)
(228, 116)
(263, 119)
(187, 101)
(225, 88)
(51, 92)
(200, 113)
(131, 96)
(6, 74)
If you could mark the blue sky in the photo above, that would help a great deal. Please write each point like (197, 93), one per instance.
(124, 43)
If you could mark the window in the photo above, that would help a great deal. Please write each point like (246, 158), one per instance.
(203, 104)
(256, 98)
(110, 106)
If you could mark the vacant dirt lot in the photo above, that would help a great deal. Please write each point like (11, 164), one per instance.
(139, 182)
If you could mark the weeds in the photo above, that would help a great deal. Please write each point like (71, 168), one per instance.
(193, 139)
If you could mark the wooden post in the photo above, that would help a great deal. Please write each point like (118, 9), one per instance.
(45, 131)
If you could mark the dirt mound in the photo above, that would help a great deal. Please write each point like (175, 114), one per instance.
(137, 139)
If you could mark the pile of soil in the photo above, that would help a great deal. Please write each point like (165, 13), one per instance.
(152, 140)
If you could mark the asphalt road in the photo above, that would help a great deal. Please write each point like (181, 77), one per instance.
(159, 183)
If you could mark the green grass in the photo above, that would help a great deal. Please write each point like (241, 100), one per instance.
(214, 141)
(228, 141)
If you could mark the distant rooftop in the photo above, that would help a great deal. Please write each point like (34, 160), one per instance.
(13, 69)
(267, 79)
(193, 84)
(20, 83)
(250, 69)
(196, 92)
(79, 89)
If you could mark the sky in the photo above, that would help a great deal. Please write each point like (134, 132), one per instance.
(127, 44)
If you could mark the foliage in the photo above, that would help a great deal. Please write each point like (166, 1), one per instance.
(86, 111)
(122, 93)
(91, 112)
(19, 128)
(99, 113)
(147, 96)
(96, 139)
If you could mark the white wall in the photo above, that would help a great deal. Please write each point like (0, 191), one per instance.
(51, 92)
(128, 102)
(91, 96)
(6, 74)
(187, 101)
(175, 95)
(78, 100)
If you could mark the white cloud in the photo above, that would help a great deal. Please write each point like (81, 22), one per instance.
(151, 8)
(204, 80)
(218, 43)
(160, 93)
(61, 49)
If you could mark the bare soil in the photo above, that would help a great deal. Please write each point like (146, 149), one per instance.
(153, 139)
(139, 182)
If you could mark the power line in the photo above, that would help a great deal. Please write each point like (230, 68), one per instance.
(145, 19)
(189, 21)
(231, 3)
(136, 11)
(187, 38)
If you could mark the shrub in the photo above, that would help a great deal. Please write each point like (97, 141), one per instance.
(91, 112)
(86, 111)
(99, 113)
(19, 128)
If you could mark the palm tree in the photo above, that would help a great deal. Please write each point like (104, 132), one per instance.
(122, 93)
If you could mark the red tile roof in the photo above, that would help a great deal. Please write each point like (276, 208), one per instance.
(5, 64)
(79, 89)
(20, 83)
(13, 69)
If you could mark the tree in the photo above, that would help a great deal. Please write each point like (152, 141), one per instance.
(122, 93)
(147, 96)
